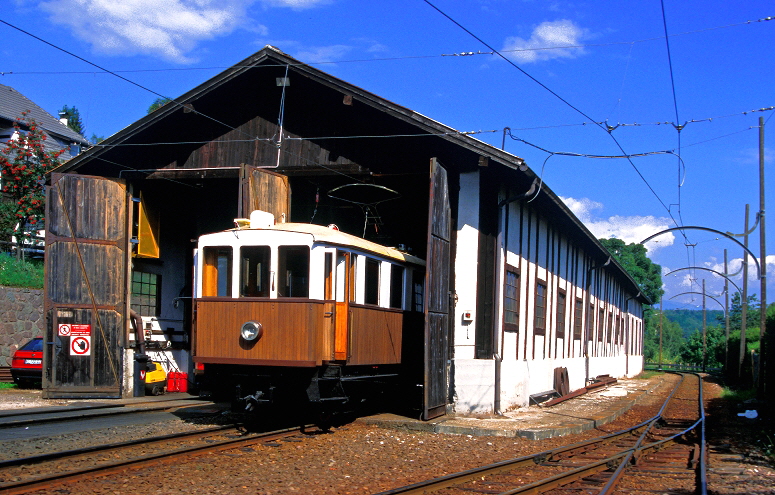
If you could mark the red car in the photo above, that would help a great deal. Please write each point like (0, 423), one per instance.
(27, 363)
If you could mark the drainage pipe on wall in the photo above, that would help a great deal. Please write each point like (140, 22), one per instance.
(498, 356)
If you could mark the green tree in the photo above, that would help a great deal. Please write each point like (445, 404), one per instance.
(672, 339)
(74, 121)
(23, 165)
(714, 355)
(736, 313)
(95, 139)
(158, 103)
(633, 258)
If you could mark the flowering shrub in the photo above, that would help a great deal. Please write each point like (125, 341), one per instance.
(23, 165)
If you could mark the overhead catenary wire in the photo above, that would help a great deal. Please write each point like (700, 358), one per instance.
(556, 95)
(405, 57)
(677, 125)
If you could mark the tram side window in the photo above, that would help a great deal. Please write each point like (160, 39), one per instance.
(372, 282)
(254, 273)
(293, 271)
(216, 272)
(396, 286)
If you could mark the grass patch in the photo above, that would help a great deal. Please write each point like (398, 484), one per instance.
(738, 395)
(20, 273)
(646, 375)
(4, 385)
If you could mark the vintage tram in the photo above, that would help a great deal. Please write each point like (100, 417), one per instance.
(303, 314)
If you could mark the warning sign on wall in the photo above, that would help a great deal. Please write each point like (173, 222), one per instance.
(80, 346)
(73, 330)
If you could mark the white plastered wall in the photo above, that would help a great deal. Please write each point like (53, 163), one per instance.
(528, 361)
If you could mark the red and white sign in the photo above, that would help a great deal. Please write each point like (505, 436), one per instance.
(73, 330)
(80, 346)
(80, 330)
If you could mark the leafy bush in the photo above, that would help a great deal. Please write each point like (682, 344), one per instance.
(20, 273)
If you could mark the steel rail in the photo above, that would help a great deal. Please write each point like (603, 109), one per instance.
(639, 449)
(75, 414)
(621, 460)
(619, 472)
(510, 464)
(54, 479)
(52, 456)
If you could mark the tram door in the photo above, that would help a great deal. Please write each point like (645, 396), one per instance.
(345, 294)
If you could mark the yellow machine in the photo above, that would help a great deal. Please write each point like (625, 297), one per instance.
(155, 378)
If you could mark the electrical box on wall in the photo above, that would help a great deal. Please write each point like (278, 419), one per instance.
(468, 316)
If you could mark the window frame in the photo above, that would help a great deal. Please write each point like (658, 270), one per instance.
(265, 276)
(397, 284)
(211, 272)
(578, 318)
(507, 325)
(371, 281)
(540, 316)
(286, 285)
(155, 284)
(561, 311)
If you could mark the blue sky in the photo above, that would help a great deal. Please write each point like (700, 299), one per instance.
(568, 70)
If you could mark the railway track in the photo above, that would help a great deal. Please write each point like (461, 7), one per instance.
(664, 454)
(38, 416)
(46, 471)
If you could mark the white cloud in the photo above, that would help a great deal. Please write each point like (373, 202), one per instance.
(734, 268)
(295, 4)
(167, 28)
(629, 229)
(550, 39)
(321, 54)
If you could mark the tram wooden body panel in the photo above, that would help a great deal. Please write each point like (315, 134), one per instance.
(298, 332)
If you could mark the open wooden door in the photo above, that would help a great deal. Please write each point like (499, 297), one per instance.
(436, 345)
(262, 189)
(86, 304)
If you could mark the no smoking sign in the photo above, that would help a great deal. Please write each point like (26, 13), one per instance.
(80, 346)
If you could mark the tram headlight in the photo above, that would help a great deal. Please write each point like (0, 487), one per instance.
(251, 330)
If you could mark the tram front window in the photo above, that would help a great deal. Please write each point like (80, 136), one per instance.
(254, 273)
(216, 272)
(293, 271)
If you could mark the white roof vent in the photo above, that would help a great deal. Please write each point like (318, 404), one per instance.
(261, 219)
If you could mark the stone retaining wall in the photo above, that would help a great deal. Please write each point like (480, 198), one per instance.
(21, 318)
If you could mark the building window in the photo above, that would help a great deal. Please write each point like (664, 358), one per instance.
(591, 328)
(561, 314)
(254, 273)
(146, 289)
(216, 272)
(293, 271)
(396, 286)
(610, 326)
(600, 323)
(578, 320)
(511, 300)
(372, 282)
(540, 309)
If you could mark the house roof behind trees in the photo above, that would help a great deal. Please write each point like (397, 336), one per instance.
(13, 104)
